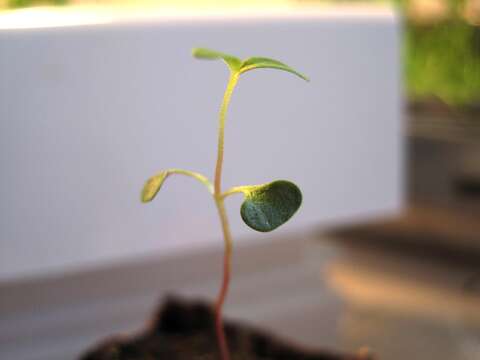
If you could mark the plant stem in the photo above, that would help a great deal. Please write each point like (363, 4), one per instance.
(221, 131)
(220, 330)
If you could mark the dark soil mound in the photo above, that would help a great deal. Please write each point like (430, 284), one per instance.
(185, 331)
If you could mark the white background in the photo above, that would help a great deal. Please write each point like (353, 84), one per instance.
(87, 114)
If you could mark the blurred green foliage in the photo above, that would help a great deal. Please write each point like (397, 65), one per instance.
(443, 60)
(441, 49)
(14, 4)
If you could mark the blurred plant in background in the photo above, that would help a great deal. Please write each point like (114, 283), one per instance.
(442, 50)
(14, 4)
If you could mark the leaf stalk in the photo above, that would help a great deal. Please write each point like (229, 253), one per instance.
(197, 176)
(244, 189)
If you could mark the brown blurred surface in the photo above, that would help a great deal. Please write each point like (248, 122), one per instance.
(313, 293)
(442, 218)
(411, 284)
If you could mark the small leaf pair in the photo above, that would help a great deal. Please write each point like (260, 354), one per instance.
(265, 207)
(239, 66)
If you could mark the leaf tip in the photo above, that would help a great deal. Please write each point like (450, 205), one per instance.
(306, 78)
(147, 194)
(152, 187)
(197, 52)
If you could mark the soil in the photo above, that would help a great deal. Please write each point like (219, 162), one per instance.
(185, 331)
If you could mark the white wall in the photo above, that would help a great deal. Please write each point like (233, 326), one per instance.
(88, 113)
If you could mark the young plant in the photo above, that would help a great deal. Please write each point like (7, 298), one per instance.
(266, 206)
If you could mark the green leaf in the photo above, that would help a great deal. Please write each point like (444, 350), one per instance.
(153, 185)
(268, 206)
(252, 63)
(266, 63)
(233, 62)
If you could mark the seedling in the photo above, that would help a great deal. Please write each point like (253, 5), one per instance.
(266, 206)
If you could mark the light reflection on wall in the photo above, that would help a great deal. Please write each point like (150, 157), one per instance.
(45, 17)
(91, 13)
